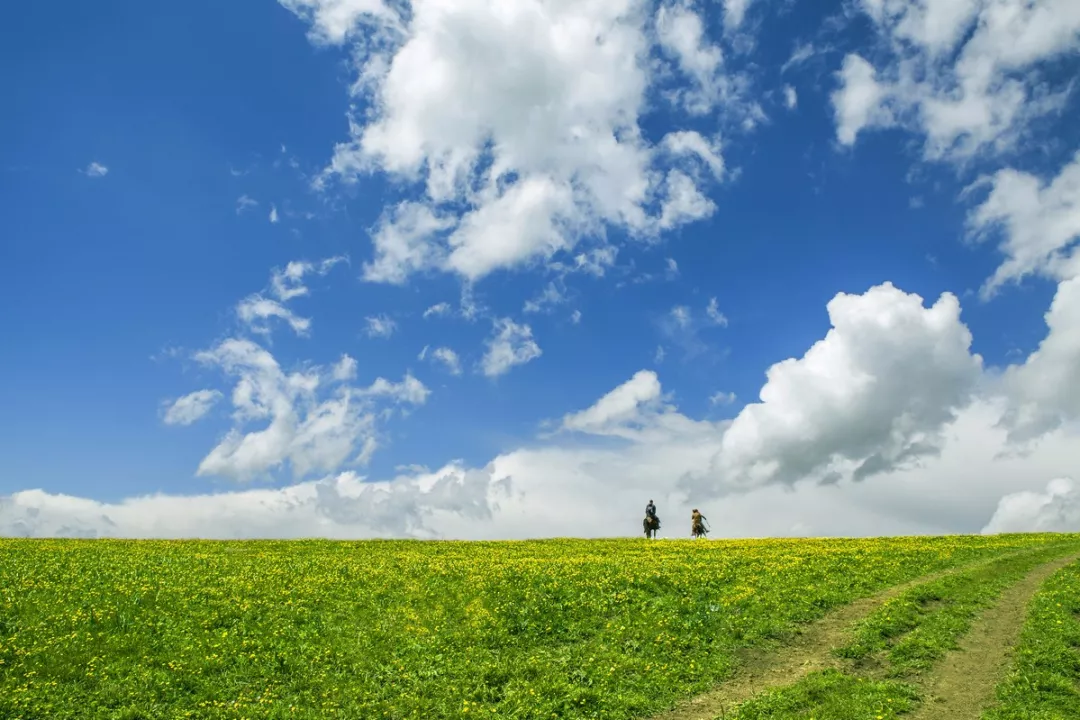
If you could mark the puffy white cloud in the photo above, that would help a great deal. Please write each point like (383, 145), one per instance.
(1040, 223)
(521, 122)
(255, 310)
(309, 430)
(95, 170)
(510, 345)
(273, 214)
(1055, 510)
(963, 72)
(380, 326)
(872, 396)
(191, 407)
(860, 100)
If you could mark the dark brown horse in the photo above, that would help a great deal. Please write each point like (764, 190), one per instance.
(650, 525)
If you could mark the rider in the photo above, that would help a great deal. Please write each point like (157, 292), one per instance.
(697, 526)
(650, 511)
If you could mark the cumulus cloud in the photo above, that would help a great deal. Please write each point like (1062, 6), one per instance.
(314, 422)
(520, 122)
(1055, 510)
(623, 407)
(191, 407)
(380, 326)
(273, 214)
(965, 73)
(510, 345)
(872, 396)
(1040, 222)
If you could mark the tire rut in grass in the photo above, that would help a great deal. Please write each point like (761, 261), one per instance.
(962, 687)
(811, 650)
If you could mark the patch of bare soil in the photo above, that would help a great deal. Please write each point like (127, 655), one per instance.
(962, 686)
(760, 670)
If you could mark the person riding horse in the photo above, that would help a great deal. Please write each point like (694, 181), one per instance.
(651, 522)
(697, 524)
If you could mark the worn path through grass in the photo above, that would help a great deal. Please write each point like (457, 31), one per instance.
(811, 650)
(963, 686)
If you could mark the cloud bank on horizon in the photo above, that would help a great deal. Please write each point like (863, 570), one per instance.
(521, 138)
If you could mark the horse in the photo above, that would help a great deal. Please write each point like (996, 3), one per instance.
(698, 530)
(650, 525)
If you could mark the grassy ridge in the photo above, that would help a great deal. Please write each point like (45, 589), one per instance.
(897, 643)
(573, 629)
(1043, 680)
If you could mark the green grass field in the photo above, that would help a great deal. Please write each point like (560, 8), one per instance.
(554, 629)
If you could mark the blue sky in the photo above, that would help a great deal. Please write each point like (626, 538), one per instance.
(162, 164)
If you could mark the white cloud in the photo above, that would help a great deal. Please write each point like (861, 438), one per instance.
(255, 310)
(273, 214)
(548, 299)
(191, 407)
(380, 326)
(690, 143)
(660, 355)
(791, 98)
(244, 202)
(436, 310)
(963, 72)
(575, 317)
(1056, 510)
(405, 243)
(622, 410)
(860, 101)
(872, 396)
(288, 283)
(712, 311)
(799, 55)
(680, 315)
(95, 170)
(722, 398)
(309, 430)
(735, 12)
(448, 358)
(1040, 223)
(511, 345)
(345, 369)
(520, 121)
(682, 34)
(683, 203)
(672, 270)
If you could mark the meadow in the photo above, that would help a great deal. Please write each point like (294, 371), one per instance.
(607, 629)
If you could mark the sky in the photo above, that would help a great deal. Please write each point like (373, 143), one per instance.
(488, 269)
